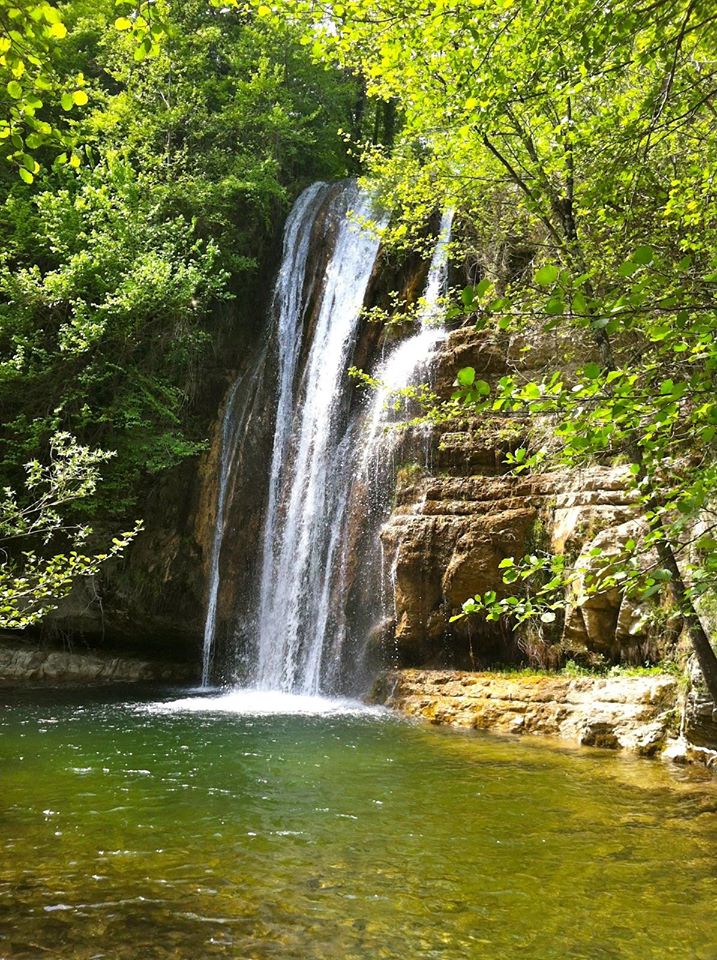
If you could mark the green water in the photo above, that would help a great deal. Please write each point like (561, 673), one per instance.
(128, 832)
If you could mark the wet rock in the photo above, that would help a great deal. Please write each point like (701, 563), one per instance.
(26, 664)
(638, 714)
(700, 725)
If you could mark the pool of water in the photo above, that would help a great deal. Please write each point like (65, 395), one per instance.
(176, 825)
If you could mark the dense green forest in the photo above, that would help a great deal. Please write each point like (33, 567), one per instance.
(142, 191)
(141, 201)
(114, 271)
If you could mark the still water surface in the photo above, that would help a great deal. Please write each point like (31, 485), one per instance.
(235, 827)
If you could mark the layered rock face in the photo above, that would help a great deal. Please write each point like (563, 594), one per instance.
(639, 714)
(454, 523)
(647, 715)
(23, 664)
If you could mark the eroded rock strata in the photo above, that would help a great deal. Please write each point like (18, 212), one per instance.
(455, 521)
(20, 663)
(642, 714)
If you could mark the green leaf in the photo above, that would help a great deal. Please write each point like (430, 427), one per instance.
(555, 307)
(481, 387)
(466, 376)
(25, 175)
(591, 371)
(547, 275)
(482, 288)
(580, 304)
(123, 23)
(628, 268)
(643, 255)
(14, 89)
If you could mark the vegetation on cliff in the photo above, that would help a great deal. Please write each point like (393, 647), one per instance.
(581, 138)
(140, 195)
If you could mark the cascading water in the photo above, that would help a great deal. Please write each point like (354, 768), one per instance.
(227, 446)
(286, 307)
(404, 365)
(320, 449)
(311, 466)
(382, 443)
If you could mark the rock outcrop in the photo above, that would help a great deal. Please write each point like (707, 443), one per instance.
(640, 714)
(455, 521)
(24, 664)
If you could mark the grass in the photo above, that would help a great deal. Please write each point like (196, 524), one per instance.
(573, 669)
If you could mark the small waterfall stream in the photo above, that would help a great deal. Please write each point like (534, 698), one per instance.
(410, 360)
(225, 462)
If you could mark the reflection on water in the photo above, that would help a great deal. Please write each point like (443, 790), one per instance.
(235, 827)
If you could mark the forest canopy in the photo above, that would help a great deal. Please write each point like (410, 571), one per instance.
(142, 190)
(576, 139)
(155, 203)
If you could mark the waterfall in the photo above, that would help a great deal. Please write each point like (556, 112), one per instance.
(311, 460)
(286, 306)
(225, 460)
(316, 521)
(406, 362)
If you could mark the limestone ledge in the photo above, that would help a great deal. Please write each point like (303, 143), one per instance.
(20, 664)
(637, 714)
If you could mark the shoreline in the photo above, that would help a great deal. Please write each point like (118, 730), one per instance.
(648, 716)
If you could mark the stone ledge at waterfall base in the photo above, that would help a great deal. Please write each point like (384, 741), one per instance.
(21, 664)
(641, 714)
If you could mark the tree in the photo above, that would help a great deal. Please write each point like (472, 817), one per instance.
(32, 577)
(587, 131)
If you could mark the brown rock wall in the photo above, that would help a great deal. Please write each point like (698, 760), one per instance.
(453, 524)
(24, 664)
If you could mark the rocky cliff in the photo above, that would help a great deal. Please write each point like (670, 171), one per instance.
(454, 522)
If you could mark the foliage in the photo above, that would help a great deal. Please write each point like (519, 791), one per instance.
(31, 581)
(113, 269)
(149, 151)
(95, 337)
(29, 36)
(586, 132)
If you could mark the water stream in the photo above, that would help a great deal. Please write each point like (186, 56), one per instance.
(310, 479)
(409, 362)
(287, 311)
(322, 451)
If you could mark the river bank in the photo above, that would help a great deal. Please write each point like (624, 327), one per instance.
(24, 663)
(650, 715)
